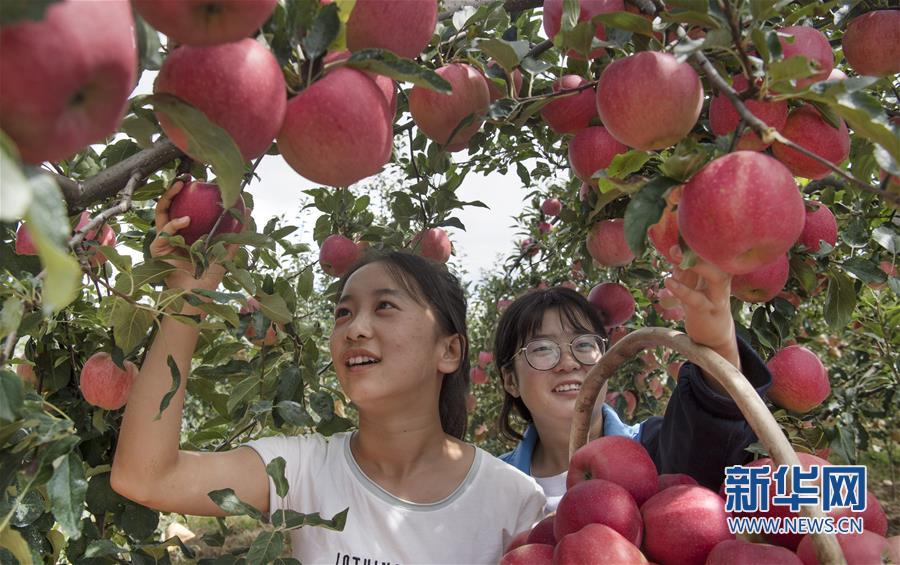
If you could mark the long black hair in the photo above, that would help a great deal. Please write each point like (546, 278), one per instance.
(431, 283)
(521, 320)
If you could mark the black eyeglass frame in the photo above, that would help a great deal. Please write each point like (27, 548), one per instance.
(524, 350)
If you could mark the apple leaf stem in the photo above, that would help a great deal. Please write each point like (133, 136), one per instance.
(767, 133)
(123, 206)
(109, 182)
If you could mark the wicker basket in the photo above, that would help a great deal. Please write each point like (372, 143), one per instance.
(737, 386)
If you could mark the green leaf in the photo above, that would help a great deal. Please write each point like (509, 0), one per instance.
(625, 20)
(232, 505)
(294, 414)
(139, 521)
(644, 209)
(49, 228)
(275, 469)
(289, 520)
(266, 547)
(207, 142)
(13, 542)
(865, 270)
(151, 272)
(386, 63)
(101, 497)
(840, 301)
(627, 163)
(12, 11)
(570, 14)
(887, 238)
(305, 283)
(148, 45)
(129, 322)
(15, 190)
(242, 393)
(13, 396)
(792, 68)
(324, 30)
(67, 489)
(275, 308)
(103, 548)
(176, 382)
(11, 315)
(223, 311)
(804, 274)
(507, 54)
(687, 158)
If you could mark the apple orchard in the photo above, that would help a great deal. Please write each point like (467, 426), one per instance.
(761, 135)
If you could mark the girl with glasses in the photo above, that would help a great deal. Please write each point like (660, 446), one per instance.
(547, 341)
(416, 492)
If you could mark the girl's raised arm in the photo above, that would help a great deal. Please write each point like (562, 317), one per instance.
(149, 467)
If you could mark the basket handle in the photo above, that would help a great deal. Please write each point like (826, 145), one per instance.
(733, 381)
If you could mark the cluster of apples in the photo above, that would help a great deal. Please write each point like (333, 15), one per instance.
(617, 509)
(338, 252)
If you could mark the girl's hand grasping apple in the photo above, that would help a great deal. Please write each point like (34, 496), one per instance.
(704, 292)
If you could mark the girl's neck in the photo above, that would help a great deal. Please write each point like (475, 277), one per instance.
(551, 453)
(396, 447)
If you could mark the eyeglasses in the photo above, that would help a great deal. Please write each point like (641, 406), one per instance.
(545, 354)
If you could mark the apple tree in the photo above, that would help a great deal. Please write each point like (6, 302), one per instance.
(761, 136)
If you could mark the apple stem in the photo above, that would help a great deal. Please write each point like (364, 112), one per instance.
(731, 380)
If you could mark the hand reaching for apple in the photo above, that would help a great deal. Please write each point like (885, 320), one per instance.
(183, 277)
(704, 292)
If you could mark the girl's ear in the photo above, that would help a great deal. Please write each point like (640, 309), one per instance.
(451, 353)
(510, 382)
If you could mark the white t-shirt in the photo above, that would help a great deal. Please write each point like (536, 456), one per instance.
(472, 525)
(554, 488)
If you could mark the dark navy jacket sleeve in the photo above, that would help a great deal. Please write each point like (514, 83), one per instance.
(703, 431)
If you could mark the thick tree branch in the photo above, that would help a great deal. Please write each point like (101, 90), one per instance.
(770, 134)
(109, 182)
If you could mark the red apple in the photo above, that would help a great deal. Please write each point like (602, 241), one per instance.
(741, 211)
(820, 226)
(740, 552)
(598, 502)
(874, 518)
(810, 43)
(104, 384)
(402, 26)
(485, 358)
(542, 532)
(27, 374)
(592, 149)
(339, 130)
(667, 480)
(517, 541)
(107, 237)
(433, 243)
(271, 336)
(870, 43)
(478, 376)
(683, 524)
(66, 78)
(545, 227)
(664, 233)
(724, 119)
(551, 207)
(806, 128)
(24, 243)
(495, 91)
(618, 459)
(553, 10)
(799, 380)
(606, 243)
(337, 254)
(202, 203)
(438, 115)
(386, 84)
(596, 544)
(239, 86)
(867, 548)
(529, 554)
(889, 269)
(649, 100)
(615, 302)
(572, 112)
(763, 284)
(529, 247)
(207, 22)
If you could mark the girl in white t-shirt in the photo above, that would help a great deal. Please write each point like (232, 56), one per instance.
(416, 492)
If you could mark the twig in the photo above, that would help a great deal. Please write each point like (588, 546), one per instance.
(770, 134)
(8, 347)
(738, 131)
(564, 92)
(123, 206)
(734, 23)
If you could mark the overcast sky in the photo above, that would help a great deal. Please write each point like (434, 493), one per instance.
(488, 231)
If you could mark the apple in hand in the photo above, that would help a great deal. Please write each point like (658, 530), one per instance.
(66, 78)
(104, 384)
(202, 203)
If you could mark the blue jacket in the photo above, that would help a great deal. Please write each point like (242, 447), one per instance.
(701, 433)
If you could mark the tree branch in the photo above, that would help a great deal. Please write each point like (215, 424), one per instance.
(770, 134)
(735, 25)
(109, 182)
(123, 206)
